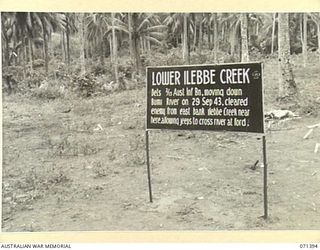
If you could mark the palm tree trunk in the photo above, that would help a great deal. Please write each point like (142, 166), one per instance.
(135, 43)
(287, 85)
(82, 44)
(273, 32)
(68, 40)
(111, 49)
(24, 57)
(257, 29)
(195, 31)
(200, 34)
(233, 40)
(45, 47)
(318, 34)
(185, 52)
(89, 49)
(149, 46)
(115, 49)
(215, 37)
(304, 43)
(209, 31)
(30, 53)
(7, 54)
(145, 44)
(244, 38)
(101, 50)
(141, 44)
(130, 35)
(15, 57)
(63, 47)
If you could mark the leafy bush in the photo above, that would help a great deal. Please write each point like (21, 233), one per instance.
(84, 84)
(48, 90)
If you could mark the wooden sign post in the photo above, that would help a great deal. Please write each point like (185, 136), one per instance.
(224, 97)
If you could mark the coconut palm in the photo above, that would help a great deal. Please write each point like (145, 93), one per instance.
(115, 49)
(244, 37)
(98, 28)
(315, 17)
(185, 45)
(304, 37)
(141, 25)
(69, 28)
(81, 39)
(287, 85)
(7, 34)
(30, 25)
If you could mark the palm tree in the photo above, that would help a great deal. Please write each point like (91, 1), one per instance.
(174, 23)
(115, 49)
(274, 20)
(33, 24)
(185, 44)
(231, 27)
(7, 34)
(69, 28)
(98, 27)
(82, 48)
(244, 38)
(304, 38)
(135, 40)
(287, 85)
(316, 19)
(199, 18)
(130, 35)
(138, 25)
(214, 18)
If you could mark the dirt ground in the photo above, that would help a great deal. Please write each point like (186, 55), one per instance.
(79, 164)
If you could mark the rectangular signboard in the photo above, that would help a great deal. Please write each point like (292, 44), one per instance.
(206, 97)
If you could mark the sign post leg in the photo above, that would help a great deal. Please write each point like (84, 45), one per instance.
(265, 178)
(148, 165)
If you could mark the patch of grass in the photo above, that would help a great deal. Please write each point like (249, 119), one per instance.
(49, 90)
(67, 146)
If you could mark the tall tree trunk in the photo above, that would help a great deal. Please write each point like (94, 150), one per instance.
(68, 40)
(273, 32)
(15, 53)
(7, 53)
(89, 49)
(287, 85)
(30, 53)
(111, 49)
(233, 40)
(209, 32)
(101, 50)
(185, 52)
(45, 47)
(200, 34)
(318, 34)
(215, 37)
(136, 43)
(141, 44)
(145, 45)
(82, 44)
(130, 35)
(149, 46)
(24, 57)
(195, 31)
(244, 38)
(115, 50)
(304, 43)
(63, 46)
